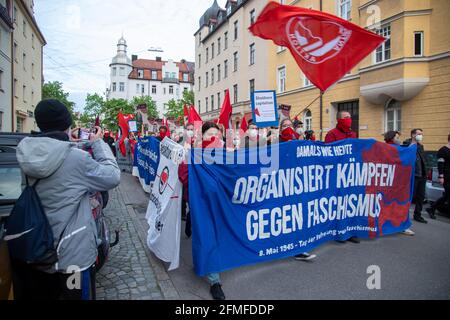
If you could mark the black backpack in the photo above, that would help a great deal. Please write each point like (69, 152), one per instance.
(28, 232)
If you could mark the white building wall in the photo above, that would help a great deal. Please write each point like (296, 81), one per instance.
(5, 70)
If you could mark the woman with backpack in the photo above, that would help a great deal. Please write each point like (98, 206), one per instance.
(63, 176)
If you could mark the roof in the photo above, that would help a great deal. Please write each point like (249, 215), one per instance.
(153, 65)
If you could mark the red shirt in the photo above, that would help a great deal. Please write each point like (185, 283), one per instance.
(338, 135)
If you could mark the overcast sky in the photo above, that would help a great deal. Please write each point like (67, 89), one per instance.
(82, 36)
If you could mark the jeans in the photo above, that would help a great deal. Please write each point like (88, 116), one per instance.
(213, 278)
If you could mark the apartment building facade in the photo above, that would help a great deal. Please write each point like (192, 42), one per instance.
(27, 54)
(228, 57)
(404, 84)
(6, 28)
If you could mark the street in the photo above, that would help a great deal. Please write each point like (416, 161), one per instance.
(411, 267)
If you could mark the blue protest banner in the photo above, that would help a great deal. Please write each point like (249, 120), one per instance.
(146, 161)
(312, 194)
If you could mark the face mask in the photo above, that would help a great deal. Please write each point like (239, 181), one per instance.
(345, 124)
(253, 133)
(289, 134)
(236, 142)
(419, 138)
(397, 141)
(213, 142)
(299, 132)
(190, 133)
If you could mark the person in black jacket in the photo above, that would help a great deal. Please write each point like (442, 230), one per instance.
(444, 179)
(420, 175)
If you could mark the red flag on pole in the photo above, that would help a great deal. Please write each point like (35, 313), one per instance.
(97, 121)
(244, 125)
(225, 112)
(193, 115)
(166, 123)
(325, 47)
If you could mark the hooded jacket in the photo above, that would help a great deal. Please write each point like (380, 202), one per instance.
(68, 175)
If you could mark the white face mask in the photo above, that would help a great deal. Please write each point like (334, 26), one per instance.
(299, 131)
(253, 133)
(419, 138)
(190, 133)
(236, 142)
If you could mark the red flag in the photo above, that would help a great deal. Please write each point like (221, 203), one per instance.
(225, 112)
(186, 112)
(166, 123)
(325, 47)
(97, 121)
(193, 115)
(244, 125)
(124, 130)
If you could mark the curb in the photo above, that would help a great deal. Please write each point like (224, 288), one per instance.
(162, 277)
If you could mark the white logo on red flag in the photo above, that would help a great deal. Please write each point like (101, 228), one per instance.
(302, 34)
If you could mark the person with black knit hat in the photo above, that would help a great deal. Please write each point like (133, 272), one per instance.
(67, 176)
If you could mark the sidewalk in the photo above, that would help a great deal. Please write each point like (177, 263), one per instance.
(129, 273)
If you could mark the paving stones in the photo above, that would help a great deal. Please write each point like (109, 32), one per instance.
(128, 273)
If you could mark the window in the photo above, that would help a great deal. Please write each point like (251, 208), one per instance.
(1, 80)
(1, 120)
(199, 83)
(186, 77)
(154, 75)
(24, 93)
(212, 102)
(173, 75)
(121, 71)
(345, 9)
(32, 98)
(235, 59)
(252, 54)
(306, 82)
(207, 55)
(164, 90)
(15, 14)
(207, 80)
(24, 28)
(236, 30)
(114, 71)
(19, 124)
(235, 93)
(15, 88)
(207, 104)
(142, 89)
(212, 76)
(199, 105)
(185, 89)
(15, 51)
(24, 60)
(218, 46)
(153, 89)
(218, 73)
(32, 40)
(252, 17)
(199, 60)
(199, 39)
(225, 45)
(281, 79)
(225, 69)
(122, 86)
(252, 86)
(229, 8)
(393, 116)
(114, 87)
(383, 52)
(307, 120)
(418, 43)
(212, 51)
(218, 100)
(140, 74)
(137, 88)
(170, 89)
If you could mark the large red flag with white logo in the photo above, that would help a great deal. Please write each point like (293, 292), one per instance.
(225, 112)
(325, 47)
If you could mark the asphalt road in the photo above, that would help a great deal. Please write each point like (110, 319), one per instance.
(415, 267)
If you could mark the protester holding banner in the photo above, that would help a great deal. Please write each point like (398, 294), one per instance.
(211, 139)
(253, 138)
(162, 133)
(287, 132)
(342, 131)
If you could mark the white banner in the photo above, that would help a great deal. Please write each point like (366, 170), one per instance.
(164, 208)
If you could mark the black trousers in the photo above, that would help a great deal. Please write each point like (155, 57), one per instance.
(444, 202)
(419, 195)
(30, 284)
(184, 213)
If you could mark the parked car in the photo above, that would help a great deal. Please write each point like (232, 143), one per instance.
(433, 189)
(10, 189)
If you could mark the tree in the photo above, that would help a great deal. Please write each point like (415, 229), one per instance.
(94, 106)
(112, 108)
(152, 110)
(54, 90)
(188, 98)
(174, 109)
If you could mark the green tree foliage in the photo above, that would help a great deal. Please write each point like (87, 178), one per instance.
(54, 90)
(111, 109)
(152, 110)
(174, 109)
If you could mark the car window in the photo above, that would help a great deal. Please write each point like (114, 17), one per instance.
(10, 183)
(430, 159)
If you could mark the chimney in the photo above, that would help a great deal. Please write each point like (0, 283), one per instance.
(134, 57)
(158, 59)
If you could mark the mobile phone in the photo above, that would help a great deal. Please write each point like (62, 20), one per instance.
(83, 134)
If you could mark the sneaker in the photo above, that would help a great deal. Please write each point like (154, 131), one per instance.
(305, 257)
(408, 232)
(431, 213)
(420, 219)
(216, 292)
(353, 240)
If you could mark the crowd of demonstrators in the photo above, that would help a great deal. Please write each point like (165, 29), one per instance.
(63, 177)
(443, 156)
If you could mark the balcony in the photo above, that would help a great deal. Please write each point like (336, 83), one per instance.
(170, 80)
